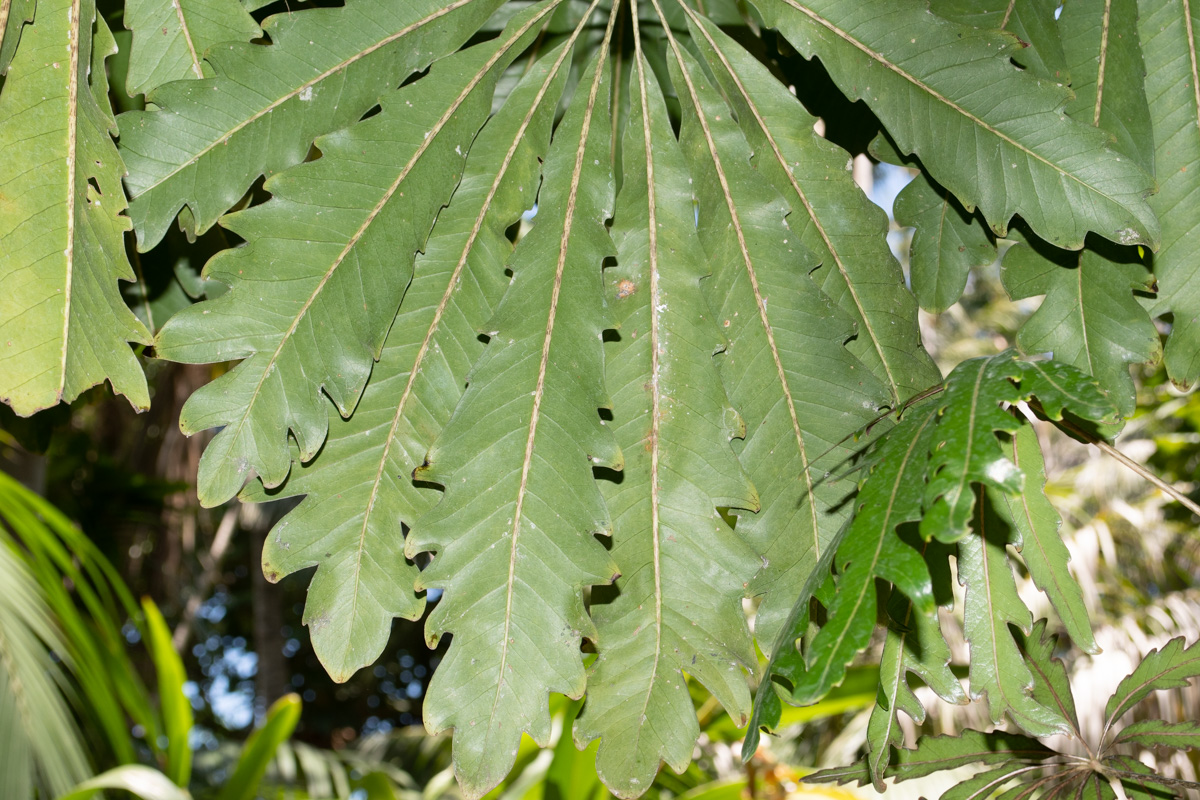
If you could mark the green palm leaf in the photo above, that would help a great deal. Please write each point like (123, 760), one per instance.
(62, 320)
(668, 537)
(335, 246)
(990, 134)
(513, 533)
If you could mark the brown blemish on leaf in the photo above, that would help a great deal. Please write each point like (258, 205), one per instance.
(625, 288)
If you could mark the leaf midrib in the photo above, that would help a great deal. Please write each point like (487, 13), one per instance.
(72, 146)
(187, 37)
(453, 6)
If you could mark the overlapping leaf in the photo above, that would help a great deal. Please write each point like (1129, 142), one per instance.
(513, 534)
(14, 14)
(1168, 30)
(63, 324)
(830, 215)
(359, 488)
(989, 133)
(1031, 21)
(674, 424)
(170, 39)
(208, 140)
(1089, 317)
(786, 370)
(326, 266)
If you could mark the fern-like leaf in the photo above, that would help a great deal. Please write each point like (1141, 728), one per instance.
(667, 537)
(1156, 733)
(327, 263)
(63, 323)
(359, 488)
(1170, 667)
(208, 140)
(513, 557)
(990, 134)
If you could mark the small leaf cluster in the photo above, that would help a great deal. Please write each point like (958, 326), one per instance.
(1016, 767)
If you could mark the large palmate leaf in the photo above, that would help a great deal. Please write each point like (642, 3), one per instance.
(679, 467)
(170, 39)
(63, 324)
(830, 215)
(327, 263)
(991, 605)
(208, 140)
(990, 134)
(14, 14)
(799, 390)
(358, 488)
(513, 533)
(1168, 29)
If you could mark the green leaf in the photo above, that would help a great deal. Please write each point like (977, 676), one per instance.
(1089, 317)
(14, 15)
(990, 134)
(968, 451)
(947, 244)
(1170, 667)
(1031, 21)
(358, 491)
(679, 467)
(998, 670)
(1168, 33)
(207, 141)
(63, 322)
(260, 748)
(170, 39)
(914, 644)
(174, 704)
(786, 371)
(1139, 781)
(830, 216)
(937, 753)
(1059, 387)
(327, 262)
(143, 782)
(1157, 733)
(513, 534)
(1104, 54)
(987, 784)
(1035, 523)
(872, 548)
(43, 746)
(1051, 686)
